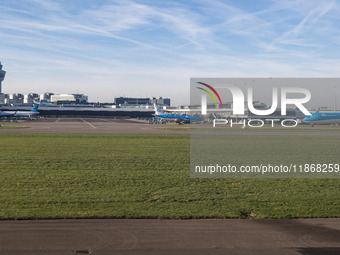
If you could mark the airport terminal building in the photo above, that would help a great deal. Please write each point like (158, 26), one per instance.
(130, 101)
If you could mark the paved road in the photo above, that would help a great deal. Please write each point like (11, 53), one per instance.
(230, 236)
(88, 126)
(134, 126)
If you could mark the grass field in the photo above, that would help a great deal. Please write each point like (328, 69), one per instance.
(10, 127)
(143, 176)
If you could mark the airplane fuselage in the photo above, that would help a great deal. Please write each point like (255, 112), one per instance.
(174, 117)
(20, 114)
(179, 118)
(323, 118)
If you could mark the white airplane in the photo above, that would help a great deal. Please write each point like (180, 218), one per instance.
(20, 114)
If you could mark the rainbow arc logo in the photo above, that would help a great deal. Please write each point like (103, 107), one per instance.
(209, 93)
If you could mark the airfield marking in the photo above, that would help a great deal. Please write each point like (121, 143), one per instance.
(131, 126)
(88, 123)
(152, 236)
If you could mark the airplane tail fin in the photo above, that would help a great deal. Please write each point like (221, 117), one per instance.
(35, 108)
(157, 110)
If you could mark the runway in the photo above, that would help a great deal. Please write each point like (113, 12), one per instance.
(88, 126)
(134, 126)
(228, 236)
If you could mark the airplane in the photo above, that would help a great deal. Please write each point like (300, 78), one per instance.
(322, 118)
(20, 114)
(43, 102)
(180, 119)
(4, 114)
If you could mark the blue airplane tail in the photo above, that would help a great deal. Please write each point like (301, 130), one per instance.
(35, 108)
(157, 110)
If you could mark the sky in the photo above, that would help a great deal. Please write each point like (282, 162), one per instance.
(109, 48)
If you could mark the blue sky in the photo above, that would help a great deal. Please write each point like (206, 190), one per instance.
(147, 48)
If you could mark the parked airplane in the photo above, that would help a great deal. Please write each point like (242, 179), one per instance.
(4, 114)
(20, 114)
(322, 118)
(180, 119)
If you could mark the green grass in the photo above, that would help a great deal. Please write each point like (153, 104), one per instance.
(141, 176)
(10, 127)
(268, 128)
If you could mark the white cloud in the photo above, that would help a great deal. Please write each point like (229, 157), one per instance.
(125, 46)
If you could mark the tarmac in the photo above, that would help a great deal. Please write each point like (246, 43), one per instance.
(152, 236)
(86, 126)
(134, 126)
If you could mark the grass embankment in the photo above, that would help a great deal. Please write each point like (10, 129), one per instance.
(143, 176)
(10, 127)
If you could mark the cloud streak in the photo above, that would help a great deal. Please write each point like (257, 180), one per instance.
(124, 43)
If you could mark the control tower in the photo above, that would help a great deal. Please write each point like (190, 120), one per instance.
(2, 77)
